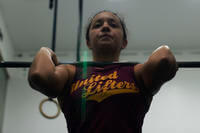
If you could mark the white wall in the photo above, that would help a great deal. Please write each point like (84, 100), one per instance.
(22, 110)
(3, 83)
(175, 109)
(6, 51)
(6, 47)
(22, 106)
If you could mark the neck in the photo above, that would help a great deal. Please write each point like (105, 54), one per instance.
(105, 58)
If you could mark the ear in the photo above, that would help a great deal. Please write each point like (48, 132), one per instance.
(88, 44)
(125, 42)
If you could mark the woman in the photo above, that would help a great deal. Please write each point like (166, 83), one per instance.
(110, 98)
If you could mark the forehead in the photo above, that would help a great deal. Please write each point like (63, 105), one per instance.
(105, 16)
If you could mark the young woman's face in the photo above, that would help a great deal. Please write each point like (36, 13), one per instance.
(106, 33)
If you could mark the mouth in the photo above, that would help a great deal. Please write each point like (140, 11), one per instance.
(105, 37)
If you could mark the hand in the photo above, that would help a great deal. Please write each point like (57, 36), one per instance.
(50, 53)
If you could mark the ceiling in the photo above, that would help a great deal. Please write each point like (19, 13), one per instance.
(150, 22)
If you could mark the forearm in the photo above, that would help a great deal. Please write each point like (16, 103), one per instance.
(160, 67)
(163, 64)
(42, 72)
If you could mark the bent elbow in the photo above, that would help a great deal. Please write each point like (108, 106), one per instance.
(164, 62)
(33, 79)
(41, 84)
(168, 67)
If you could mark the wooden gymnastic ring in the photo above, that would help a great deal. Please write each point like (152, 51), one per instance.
(45, 115)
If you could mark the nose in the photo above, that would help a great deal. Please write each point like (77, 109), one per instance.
(105, 27)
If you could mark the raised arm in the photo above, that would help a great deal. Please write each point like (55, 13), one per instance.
(46, 76)
(160, 67)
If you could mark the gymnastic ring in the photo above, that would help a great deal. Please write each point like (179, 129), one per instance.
(44, 114)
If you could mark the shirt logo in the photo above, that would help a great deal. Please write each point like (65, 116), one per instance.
(100, 87)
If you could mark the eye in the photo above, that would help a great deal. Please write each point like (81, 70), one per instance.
(97, 24)
(113, 24)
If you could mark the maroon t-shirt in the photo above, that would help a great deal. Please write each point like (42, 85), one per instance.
(105, 100)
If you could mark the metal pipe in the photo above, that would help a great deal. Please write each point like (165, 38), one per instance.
(13, 64)
(55, 5)
(79, 30)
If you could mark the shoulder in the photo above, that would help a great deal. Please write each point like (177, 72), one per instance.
(71, 71)
(143, 80)
(137, 69)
